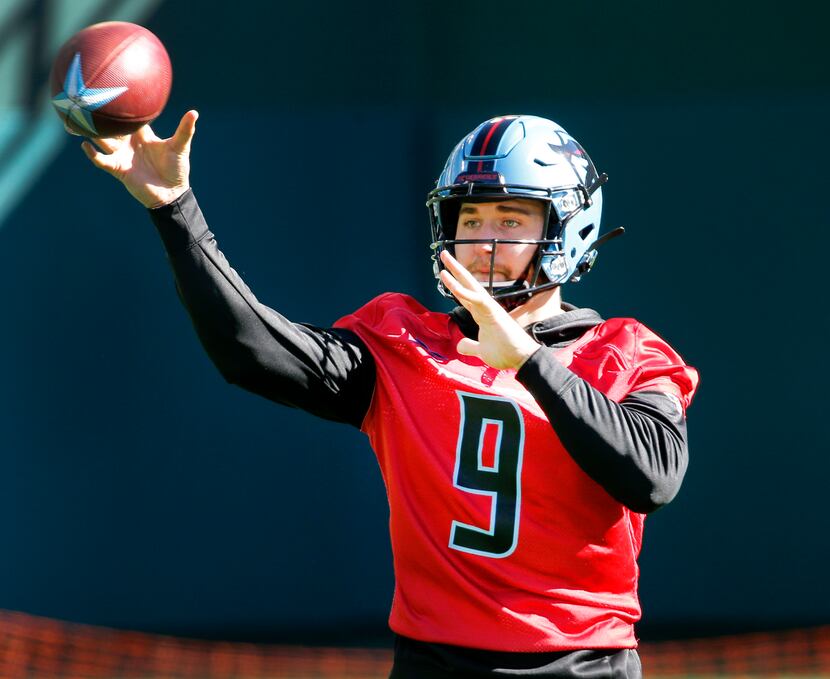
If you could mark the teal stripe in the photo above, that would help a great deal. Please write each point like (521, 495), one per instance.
(42, 144)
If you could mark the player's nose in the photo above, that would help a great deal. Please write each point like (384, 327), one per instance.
(488, 232)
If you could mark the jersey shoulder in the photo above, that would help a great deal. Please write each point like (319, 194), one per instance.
(653, 363)
(394, 313)
(390, 302)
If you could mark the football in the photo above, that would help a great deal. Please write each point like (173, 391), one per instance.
(109, 79)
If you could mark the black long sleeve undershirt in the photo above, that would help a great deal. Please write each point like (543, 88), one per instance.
(328, 372)
(635, 449)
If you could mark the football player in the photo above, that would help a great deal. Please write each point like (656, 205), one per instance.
(522, 440)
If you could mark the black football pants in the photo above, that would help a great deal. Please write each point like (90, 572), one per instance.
(419, 660)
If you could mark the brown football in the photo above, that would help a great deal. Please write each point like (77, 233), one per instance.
(110, 79)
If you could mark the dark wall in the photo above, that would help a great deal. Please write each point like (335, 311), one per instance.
(139, 490)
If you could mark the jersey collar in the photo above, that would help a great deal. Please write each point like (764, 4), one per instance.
(556, 331)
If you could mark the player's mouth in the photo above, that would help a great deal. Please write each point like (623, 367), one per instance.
(483, 275)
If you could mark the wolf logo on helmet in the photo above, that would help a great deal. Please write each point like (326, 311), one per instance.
(567, 149)
(520, 156)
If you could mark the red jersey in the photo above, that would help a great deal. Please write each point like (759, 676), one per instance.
(500, 541)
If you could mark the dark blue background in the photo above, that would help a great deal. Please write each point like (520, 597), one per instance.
(137, 489)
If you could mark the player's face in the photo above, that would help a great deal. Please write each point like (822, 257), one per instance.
(512, 219)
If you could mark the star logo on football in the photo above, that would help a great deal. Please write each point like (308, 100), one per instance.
(77, 100)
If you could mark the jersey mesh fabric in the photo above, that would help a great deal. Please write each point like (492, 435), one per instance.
(570, 579)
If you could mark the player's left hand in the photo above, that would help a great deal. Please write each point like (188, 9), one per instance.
(502, 342)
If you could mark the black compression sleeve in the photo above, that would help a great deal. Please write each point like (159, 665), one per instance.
(328, 372)
(635, 449)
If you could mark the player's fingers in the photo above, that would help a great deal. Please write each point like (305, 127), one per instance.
(477, 302)
(471, 283)
(108, 144)
(459, 271)
(468, 347)
(466, 278)
(463, 294)
(100, 160)
(185, 131)
(473, 296)
(145, 133)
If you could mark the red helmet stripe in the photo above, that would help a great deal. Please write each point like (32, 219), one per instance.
(488, 136)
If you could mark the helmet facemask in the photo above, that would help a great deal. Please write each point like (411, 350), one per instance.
(547, 269)
(509, 293)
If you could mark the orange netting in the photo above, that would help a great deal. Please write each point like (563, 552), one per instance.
(787, 653)
(32, 647)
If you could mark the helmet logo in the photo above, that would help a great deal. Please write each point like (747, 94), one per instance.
(565, 146)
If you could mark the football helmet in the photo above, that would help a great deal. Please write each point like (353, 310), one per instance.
(521, 156)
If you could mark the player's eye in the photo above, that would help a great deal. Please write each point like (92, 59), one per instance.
(511, 223)
(470, 223)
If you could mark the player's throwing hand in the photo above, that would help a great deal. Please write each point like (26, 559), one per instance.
(155, 171)
(502, 342)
